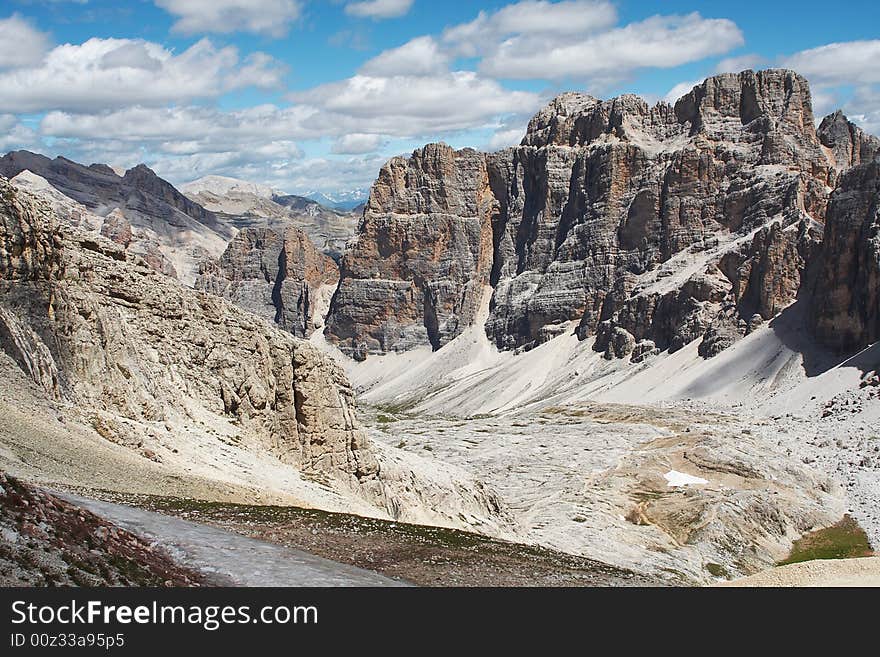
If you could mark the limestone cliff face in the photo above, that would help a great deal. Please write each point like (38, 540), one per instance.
(848, 144)
(96, 325)
(847, 295)
(416, 273)
(282, 277)
(593, 218)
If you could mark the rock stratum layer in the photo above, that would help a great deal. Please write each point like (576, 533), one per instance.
(282, 277)
(847, 296)
(646, 227)
(416, 272)
(157, 368)
(90, 322)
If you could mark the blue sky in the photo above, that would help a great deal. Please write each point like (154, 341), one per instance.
(316, 94)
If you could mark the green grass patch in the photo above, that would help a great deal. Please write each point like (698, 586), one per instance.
(717, 570)
(844, 540)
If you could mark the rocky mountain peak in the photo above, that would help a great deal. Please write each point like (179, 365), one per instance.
(848, 144)
(591, 218)
(778, 96)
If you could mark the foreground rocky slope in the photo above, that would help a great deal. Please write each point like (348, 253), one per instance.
(648, 227)
(190, 381)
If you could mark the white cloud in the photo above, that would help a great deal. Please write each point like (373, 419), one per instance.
(571, 18)
(864, 109)
(20, 43)
(420, 56)
(851, 62)
(740, 63)
(409, 106)
(103, 74)
(357, 143)
(506, 137)
(680, 90)
(657, 42)
(188, 129)
(15, 135)
(271, 17)
(378, 9)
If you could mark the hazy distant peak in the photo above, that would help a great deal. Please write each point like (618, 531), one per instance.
(223, 185)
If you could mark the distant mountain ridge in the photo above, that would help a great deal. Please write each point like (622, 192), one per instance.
(343, 200)
(185, 231)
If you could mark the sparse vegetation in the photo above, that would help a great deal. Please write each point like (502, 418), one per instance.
(844, 540)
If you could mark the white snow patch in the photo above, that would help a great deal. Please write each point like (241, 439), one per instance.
(676, 479)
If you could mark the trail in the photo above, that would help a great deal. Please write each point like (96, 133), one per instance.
(231, 558)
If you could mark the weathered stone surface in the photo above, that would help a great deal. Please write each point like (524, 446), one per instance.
(600, 201)
(181, 228)
(417, 271)
(248, 205)
(848, 144)
(847, 293)
(116, 228)
(281, 277)
(113, 335)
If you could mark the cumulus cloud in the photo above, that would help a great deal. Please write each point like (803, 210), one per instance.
(270, 17)
(187, 128)
(357, 143)
(657, 42)
(550, 20)
(378, 9)
(14, 134)
(680, 90)
(21, 44)
(505, 137)
(420, 56)
(740, 63)
(851, 62)
(111, 73)
(409, 106)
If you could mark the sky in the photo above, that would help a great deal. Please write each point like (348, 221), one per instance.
(314, 95)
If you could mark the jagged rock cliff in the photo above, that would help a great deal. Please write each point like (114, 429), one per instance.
(847, 295)
(144, 363)
(283, 278)
(648, 227)
(416, 273)
(94, 324)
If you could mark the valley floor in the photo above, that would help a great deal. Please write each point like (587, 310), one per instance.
(398, 552)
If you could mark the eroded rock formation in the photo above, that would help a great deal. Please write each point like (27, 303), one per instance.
(282, 277)
(638, 225)
(94, 324)
(416, 273)
(847, 295)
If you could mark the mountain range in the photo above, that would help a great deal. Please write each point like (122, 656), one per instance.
(647, 335)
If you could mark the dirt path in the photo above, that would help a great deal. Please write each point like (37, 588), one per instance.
(229, 557)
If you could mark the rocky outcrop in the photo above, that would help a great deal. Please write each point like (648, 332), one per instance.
(417, 271)
(282, 277)
(249, 205)
(107, 332)
(847, 293)
(168, 222)
(666, 224)
(848, 144)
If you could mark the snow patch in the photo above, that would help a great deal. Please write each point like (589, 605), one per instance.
(677, 479)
